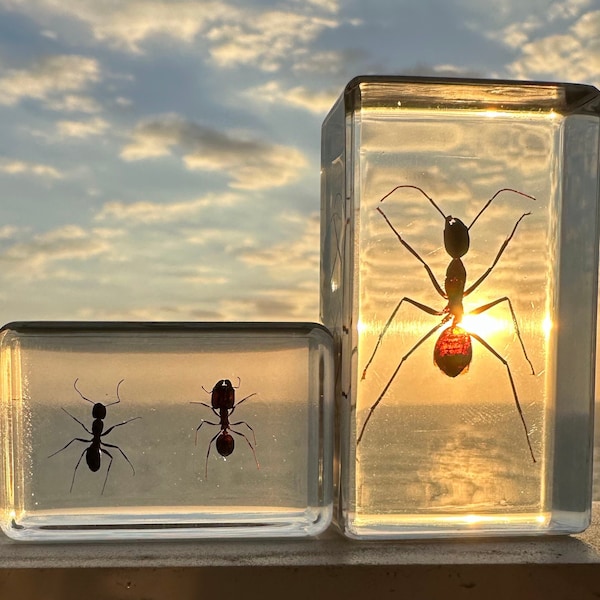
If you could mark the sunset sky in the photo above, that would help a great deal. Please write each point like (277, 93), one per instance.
(160, 160)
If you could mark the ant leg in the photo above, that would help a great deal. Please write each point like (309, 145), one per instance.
(248, 426)
(389, 383)
(494, 196)
(76, 419)
(73, 440)
(76, 467)
(118, 397)
(512, 385)
(249, 444)
(118, 425)
(108, 469)
(203, 404)
(423, 307)
(436, 285)
(243, 399)
(485, 307)
(202, 423)
(121, 451)
(209, 447)
(502, 248)
(240, 401)
(208, 406)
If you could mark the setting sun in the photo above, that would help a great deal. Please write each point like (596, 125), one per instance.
(485, 325)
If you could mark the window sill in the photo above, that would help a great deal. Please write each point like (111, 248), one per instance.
(328, 550)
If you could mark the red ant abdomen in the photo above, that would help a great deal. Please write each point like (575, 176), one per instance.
(453, 351)
(225, 444)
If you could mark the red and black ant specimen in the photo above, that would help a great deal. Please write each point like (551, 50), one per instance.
(93, 453)
(223, 404)
(453, 350)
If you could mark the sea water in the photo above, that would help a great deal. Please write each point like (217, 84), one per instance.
(444, 455)
(276, 482)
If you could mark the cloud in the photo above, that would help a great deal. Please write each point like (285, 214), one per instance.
(273, 93)
(295, 303)
(550, 48)
(233, 34)
(126, 25)
(8, 232)
(82, 129)
(250, 163)
(29, 259)
(566, 9)
(573, 56)
(49, 78)
(335, 66)
(74, 103)
(20, 167)
(300, 248)
(266, 38)
(145, 212)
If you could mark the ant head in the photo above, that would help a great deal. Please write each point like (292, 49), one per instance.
(99, 411)
(456, 237)
(225, 444)
(223, 384)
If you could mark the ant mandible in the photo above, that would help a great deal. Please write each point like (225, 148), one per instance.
(93, 453)
(453, 349)
(223, 404)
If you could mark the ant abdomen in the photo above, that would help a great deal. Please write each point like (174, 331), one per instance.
(453, 351)
(225, 444)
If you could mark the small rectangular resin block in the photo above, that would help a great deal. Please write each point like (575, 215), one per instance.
(142, 393)
(459, 279)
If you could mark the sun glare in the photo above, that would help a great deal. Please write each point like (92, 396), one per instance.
(547, 326)
(485, 325)
(491, 113)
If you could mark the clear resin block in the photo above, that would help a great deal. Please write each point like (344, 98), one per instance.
(459, 278)
(209, 430)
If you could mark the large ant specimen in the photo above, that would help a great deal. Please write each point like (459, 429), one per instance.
(223, 404)
(453, 350)
(93, 453)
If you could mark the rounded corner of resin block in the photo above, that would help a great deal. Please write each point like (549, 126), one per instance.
(321, 522)
(321, 332)
(13, 530)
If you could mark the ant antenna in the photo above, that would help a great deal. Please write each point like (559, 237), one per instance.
(118, 397)
(82, 396)
(492, 198)
(415, 187)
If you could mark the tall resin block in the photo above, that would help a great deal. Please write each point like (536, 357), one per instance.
(165, 430)
(459, 278)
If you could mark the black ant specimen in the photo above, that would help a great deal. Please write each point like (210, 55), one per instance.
(453, 349)
(93, 453)
(223, 404)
